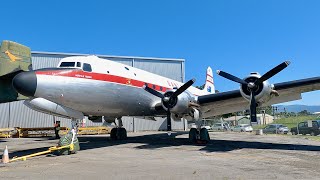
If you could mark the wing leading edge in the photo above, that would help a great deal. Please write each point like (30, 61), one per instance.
(232, 101)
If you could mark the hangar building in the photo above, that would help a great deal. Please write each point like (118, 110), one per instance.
(15, 114)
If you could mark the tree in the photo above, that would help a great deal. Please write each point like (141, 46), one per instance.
(303, 113)
(267, 109)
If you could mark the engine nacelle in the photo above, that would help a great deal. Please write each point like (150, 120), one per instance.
(179, 105)
(262, 91)
(49, 107)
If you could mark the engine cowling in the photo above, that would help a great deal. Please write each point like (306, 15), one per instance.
(178, 105)
(262, 91)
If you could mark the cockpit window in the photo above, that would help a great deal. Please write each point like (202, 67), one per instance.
(67, 64)
(87, 67)
(78, 64)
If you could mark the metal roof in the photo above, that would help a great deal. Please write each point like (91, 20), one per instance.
(106, 56)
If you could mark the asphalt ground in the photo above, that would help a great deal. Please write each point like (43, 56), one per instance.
(154, 155)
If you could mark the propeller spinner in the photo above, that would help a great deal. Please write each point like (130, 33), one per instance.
(253, 86)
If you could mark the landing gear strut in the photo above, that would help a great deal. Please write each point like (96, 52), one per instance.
(119, 132)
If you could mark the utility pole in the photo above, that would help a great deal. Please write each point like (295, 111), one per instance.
(274, 111)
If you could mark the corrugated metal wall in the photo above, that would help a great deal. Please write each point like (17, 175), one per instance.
(16, 114)
(170, 69)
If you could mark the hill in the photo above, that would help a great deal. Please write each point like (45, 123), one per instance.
(298, 108)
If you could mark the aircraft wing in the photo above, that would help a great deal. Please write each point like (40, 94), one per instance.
(232, 101)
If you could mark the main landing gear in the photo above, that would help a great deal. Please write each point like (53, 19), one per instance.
(118, 132)
(199, 136)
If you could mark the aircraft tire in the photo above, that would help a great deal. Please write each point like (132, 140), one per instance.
(113, 133)
(204, 135)
(122, 133)
(193, 135)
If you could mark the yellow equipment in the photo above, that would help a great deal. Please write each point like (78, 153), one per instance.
(38, 132)
(50, 150)
(6, 132)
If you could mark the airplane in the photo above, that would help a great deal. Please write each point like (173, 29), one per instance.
(102, 89)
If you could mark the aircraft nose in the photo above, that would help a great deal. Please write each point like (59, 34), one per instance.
(25, 83)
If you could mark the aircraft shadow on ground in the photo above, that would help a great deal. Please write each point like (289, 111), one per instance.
(157, 141)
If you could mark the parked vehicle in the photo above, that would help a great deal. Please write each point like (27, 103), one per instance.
(242, 128)
(220, 127)
(313, 129)
(193, 125)
(206, 126)
(276, 129)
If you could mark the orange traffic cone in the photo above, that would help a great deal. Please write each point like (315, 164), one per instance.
(5, 156)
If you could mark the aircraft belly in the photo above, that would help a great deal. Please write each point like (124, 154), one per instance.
(94, 97)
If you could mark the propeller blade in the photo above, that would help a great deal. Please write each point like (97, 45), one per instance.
(273, 72)
(152, 91)
(168, 120)
(253, 108)
(231, 77)
(183, 88)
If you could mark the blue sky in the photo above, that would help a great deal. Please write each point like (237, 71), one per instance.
(231, 35)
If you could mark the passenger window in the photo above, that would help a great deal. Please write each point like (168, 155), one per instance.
(78, 64)
(87, 67)
(160, 88)
(154, 86)
(67, 64)
(126, 68)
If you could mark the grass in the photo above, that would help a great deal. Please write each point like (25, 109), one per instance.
(290, 122)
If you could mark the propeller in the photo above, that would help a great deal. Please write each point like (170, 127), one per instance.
(253, 86)
(169, 99)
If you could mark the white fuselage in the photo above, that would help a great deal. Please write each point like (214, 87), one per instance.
(109, 89)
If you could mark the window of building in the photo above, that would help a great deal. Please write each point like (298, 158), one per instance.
(87, 67)
(67, 64)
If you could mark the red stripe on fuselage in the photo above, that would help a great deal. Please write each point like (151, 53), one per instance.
(101, 77)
